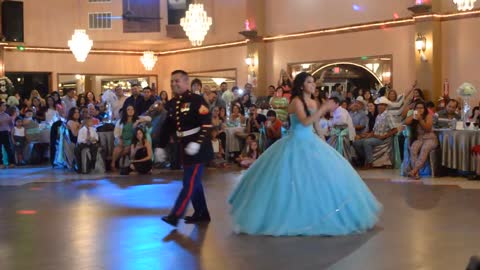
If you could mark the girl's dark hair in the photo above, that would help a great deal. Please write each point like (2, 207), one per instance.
(165, 94)
(18, 118)
(420, 93)
(415, 123)
(250, 151)
(71, 113)
(124, 118)
(55, 93)
(86, 96)
(53, 99)
(80, 97)
(297, 90)
(135, 140)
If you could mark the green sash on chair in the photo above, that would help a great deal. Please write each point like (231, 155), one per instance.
(339, 133)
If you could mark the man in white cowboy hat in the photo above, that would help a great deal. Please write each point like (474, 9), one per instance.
(384, 128)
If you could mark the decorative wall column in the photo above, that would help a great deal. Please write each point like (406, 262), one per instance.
(255, 58)
(2, 61)
(428, 61)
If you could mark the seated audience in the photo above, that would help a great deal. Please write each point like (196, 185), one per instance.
(140, 153)
(423, 140)
(342, 129)
(383, 129)
(123, 133)
(279, 103)
(73, 124)
(446, 115)
(273, 128)
(246, 160)
(87, 139)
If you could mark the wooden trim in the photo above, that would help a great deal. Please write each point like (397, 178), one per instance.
(217, 70)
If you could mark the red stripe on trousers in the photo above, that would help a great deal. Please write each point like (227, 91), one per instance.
(187, 198)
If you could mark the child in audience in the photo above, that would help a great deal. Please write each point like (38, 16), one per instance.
(218, 160)
(252, 155)
(250, 138)
(87, 138)
(19, 140)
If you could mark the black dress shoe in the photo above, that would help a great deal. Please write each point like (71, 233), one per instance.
(172, 220)
(197, 219)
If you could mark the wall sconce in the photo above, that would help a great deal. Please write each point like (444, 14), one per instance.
(251, 61)
(421, 46)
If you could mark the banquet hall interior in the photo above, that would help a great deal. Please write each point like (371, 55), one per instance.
(403, 73)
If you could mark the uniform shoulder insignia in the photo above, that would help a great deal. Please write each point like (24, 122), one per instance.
(203, 110)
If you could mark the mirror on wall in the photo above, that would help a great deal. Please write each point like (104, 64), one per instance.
(100, 83)
(366, 72)
(214, 78)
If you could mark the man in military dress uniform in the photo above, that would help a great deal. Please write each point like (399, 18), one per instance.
(189, 120)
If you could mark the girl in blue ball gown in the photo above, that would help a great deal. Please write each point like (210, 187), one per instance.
(301, 185)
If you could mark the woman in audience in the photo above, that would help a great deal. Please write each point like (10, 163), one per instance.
(236, 116)
(280, 104)
(422, 140)
(91, 98)
(36, 94)
(164, 96)
(417, 95)
(123, 133)
(219, 125)
(81, 101)
(140, 153)
(367, 96)
(39, 111)
(372, 113)
(223, 114)
(246, 102)
(73, 124)
(52, 114)
(474, 116)
(58, 103)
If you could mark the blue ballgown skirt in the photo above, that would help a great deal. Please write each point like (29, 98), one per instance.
(302, 186)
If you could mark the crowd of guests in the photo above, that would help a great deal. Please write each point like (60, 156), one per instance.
(362, 121)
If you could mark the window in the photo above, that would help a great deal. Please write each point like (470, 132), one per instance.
(100, 20)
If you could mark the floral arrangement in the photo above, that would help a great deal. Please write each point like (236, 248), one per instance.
(6, 88)
(466, 90)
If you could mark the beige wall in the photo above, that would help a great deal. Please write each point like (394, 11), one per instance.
(227, 58)
(369, 43)
(461, 54)
(286, 16)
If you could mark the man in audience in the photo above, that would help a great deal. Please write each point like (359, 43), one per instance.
(337, 92)
(87, 138)
(359, 117)
(341, 129)
(148, 101)
(446, 115)
(228, 96)
(384, 128)
(248, 91)
(118, 103)
(68, 99)
(136, 100)
(273, 127)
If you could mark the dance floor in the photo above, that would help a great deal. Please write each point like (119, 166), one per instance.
(54, 220)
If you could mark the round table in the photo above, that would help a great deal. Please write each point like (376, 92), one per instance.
(456, 148)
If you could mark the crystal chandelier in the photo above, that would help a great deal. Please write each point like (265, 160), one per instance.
(148, 60)
(196, 23)
(464, 5)
(80, 45)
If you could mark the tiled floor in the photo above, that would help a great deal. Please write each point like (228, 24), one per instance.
(51, 219)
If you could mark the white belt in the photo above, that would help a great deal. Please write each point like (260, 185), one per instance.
(186, 133)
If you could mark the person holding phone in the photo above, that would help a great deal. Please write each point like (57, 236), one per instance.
(422, 138)
(273, 128)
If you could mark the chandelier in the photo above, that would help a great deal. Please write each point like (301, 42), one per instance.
(148, 60)
(464, 5)
(80, 45)
(196, 23)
